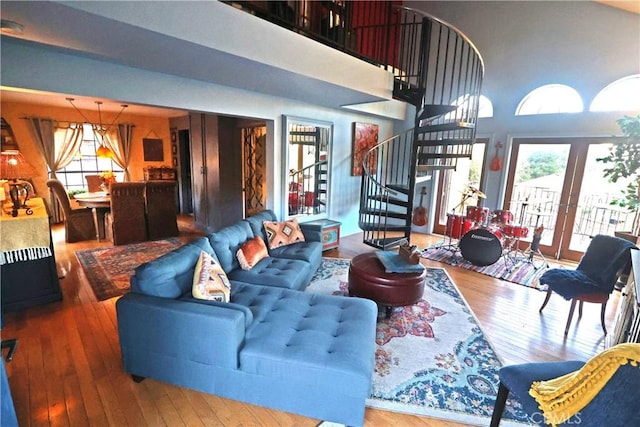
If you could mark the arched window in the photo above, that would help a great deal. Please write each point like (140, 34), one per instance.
(485, 107)
(621, 95)
(550, 99)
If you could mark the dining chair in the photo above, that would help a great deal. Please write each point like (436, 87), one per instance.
(594, 278)
(93, 183)
(602, 391)
(126, 222)
(161, 208)
(78, 223)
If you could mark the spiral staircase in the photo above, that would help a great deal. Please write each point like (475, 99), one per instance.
(439, 71)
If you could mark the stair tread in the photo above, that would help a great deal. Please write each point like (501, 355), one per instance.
(386, 243)
(443, 142)
(434, 110)
(375, 226)
(458, 125)
(388, 214)
(391, 200)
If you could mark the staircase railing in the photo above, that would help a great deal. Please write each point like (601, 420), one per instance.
(386, 180)
(305, 192)
(440, 71)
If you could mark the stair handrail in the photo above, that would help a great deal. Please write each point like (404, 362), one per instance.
(365, 165)
(446, 24)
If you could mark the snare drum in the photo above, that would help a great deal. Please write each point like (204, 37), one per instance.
(482, 246)
(478, 214)
(457, 225)
(518, 231)
(501, 217)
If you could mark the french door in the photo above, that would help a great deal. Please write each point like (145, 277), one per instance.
(558, 184)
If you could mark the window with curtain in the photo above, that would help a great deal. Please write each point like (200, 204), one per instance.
(87, 163)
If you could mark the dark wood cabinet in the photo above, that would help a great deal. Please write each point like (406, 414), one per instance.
(216, 164)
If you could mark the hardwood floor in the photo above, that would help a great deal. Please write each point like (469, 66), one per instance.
(67, 369)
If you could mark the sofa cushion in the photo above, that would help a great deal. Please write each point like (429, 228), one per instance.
(227, 241)
(256, 222)
(306, 251)
(171, 275)
(278, 272)
(329, 339)
(282, 233)
(210, 282)
(251, 252)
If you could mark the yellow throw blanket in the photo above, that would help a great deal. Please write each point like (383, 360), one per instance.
(563, 397)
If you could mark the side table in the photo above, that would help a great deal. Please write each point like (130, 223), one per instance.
(330, 232)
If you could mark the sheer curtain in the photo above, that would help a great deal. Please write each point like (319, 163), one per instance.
(58, 144)
(120, 144)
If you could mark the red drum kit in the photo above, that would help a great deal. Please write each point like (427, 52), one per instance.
(482, 235)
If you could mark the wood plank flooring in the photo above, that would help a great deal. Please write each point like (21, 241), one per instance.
(67, 369)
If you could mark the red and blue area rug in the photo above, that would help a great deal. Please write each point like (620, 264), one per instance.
(432, 358)
(109, 268)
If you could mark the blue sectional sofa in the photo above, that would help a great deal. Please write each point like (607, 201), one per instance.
(272, 345)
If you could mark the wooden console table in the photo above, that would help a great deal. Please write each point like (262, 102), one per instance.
(27, 260)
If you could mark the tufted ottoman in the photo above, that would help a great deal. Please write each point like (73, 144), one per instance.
(368, 279)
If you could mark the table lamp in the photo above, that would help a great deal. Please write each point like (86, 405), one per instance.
(13, 167)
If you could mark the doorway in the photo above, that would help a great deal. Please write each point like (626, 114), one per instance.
(184, 172)
(557, 183)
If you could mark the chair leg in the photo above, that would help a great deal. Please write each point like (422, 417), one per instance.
(602, 310)
(498, 408)
(11, 344)
(571, 310)
(546, 300)
(580, 309)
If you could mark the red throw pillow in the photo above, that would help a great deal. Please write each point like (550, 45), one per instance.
(251, 252)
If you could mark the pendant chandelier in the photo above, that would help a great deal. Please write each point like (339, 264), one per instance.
(102, 151)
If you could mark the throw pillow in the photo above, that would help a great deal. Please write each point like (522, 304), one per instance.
(251, 252)
(283, 233)
(210, 282)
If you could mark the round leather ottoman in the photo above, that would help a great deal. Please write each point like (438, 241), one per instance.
(368, 279)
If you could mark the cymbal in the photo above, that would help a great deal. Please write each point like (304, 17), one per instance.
(474, 191)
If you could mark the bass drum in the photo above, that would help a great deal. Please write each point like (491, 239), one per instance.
(481, 246)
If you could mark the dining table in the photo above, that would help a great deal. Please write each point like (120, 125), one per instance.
(100, 203)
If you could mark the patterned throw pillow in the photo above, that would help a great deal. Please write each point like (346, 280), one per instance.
(210, 282)
(283, 233)
(251, 252)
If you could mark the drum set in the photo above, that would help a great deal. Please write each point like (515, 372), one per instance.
(483, 236)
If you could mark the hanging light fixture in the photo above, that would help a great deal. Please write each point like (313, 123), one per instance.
(103, 151)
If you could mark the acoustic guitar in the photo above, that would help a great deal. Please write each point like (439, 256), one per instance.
(496, 162)
(420, 212)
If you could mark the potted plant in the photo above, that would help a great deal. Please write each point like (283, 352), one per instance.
(624, 161)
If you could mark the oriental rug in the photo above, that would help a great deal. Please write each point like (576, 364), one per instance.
(520, 272)
(432, 358)
(108, 269)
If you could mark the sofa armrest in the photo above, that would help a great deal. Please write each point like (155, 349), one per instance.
(311, 234)
(177, 329)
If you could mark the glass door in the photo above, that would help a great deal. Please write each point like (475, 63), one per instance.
(558, 184)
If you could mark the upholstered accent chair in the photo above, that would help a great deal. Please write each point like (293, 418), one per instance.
(160, 199)
(93, 183)
(126, 222)
(78, 223)
(594, 278)
(603, 391)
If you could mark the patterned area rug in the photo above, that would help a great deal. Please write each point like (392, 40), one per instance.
(108, 269)
(432, 358)
(521, 272)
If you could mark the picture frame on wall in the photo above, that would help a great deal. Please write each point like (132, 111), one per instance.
(152, 149)
(365, 137)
